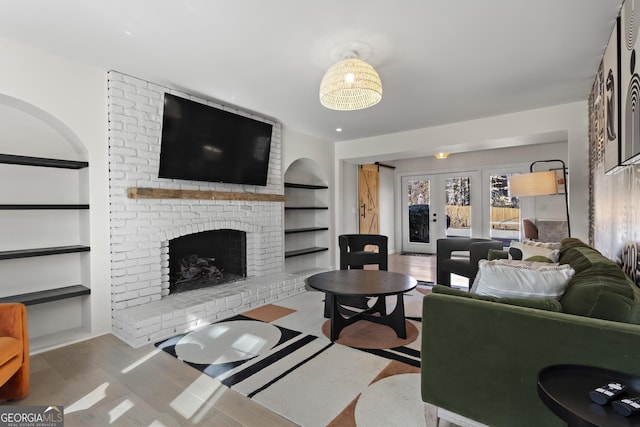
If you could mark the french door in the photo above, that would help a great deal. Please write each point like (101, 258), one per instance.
(437, 206)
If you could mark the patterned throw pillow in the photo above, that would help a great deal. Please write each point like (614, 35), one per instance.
(539, 258)
(546, 245)
(529, 249)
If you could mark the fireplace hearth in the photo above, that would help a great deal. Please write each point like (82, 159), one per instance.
(206, 259)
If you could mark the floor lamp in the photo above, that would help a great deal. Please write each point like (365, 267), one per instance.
(539, 184)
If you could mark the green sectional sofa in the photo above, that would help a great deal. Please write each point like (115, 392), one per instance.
(481, 355)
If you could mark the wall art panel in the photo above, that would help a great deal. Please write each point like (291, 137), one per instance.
(614, 199)
(611, 74)
(630, 83)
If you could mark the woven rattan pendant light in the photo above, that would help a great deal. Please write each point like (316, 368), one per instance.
(351, 84)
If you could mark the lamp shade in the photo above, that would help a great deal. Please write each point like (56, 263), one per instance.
(351, 84)
(533, 184)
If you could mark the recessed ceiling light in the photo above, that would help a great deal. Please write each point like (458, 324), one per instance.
(338, 129)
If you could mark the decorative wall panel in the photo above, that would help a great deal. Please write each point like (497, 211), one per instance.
(630, 83)
(614, 199)
(611, 92)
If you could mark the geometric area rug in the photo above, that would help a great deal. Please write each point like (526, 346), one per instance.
(279, 356)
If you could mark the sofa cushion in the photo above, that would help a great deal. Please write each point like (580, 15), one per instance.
(583, 258)
(571, 242)
(599, 289)
(521, 279)
(603, 292)
(549, 304)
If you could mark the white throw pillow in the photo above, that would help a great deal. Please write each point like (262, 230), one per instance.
(530, 249)
(503, 278)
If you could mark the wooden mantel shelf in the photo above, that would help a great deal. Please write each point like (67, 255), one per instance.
(168, 193)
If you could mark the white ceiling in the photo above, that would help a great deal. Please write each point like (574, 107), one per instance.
(440, 61)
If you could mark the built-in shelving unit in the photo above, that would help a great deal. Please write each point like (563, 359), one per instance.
(305, 221)
(45, 222)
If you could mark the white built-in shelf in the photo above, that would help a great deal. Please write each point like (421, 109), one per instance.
(48, 295)
(304, 230)
(305, 251)
(56, 250)
(42, 161)
(305, 186)
(6, 207)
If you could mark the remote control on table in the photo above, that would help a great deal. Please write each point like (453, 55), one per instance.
(606, 393)
(628, 406)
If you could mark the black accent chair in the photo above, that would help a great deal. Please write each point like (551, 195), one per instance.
(466, 266)
(356, 251)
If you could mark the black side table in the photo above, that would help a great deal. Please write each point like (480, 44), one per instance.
(565, 390)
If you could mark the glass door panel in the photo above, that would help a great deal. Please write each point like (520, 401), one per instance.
(419, 201)
(417, 233)
(458, 206)
(504, 210)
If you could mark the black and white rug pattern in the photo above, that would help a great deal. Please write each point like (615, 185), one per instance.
(278, 356)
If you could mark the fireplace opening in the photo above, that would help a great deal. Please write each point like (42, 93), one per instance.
(207, 258)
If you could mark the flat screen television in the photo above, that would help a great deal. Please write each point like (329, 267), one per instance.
(204, 143)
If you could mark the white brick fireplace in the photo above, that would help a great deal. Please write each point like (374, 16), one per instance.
(141, 228)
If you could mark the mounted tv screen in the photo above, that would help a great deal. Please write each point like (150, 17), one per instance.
(204, 143)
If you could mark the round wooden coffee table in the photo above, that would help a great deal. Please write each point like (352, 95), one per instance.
(364, 283)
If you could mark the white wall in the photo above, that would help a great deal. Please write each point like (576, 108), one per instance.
(388, 206)
(347, 215)
(73, 95)
(566, 122)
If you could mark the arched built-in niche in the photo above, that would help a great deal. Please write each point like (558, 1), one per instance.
(306, 219)
(44, 222)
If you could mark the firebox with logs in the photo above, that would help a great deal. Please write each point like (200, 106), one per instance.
(198, 272)
(207, 258)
